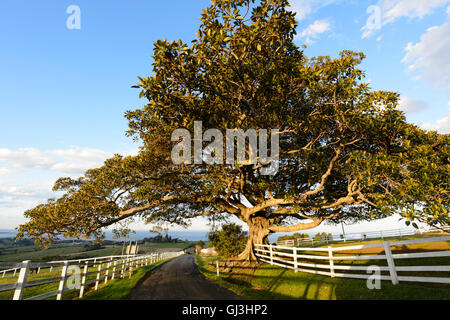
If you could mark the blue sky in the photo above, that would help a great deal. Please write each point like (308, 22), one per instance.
(63, 92)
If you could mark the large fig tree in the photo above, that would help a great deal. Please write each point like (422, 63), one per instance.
(345, 152)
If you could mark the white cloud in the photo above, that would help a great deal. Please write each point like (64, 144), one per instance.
(313, 30)
(431, 56)
(303, 8)
(409, 105)
(74, 160)
(392, 10)
(27, 175)
(21, 191)
(442, 125)
(448, 11)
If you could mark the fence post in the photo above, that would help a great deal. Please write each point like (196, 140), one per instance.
(83, 279)
(217, 266)
(99, 269)
(295, 260)
(62, 282)
(131, 267)
(21, 280)
(114, 270)
(123, 268)
(271, 253)
(330, 256)
(108, 266)
(390, 261)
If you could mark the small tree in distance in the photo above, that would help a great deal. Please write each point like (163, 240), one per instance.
(322, 236)
(229, 241)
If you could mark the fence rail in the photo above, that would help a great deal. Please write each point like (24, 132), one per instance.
(104, 268)
(312, 260)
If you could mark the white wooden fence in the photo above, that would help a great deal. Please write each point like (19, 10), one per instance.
(297, 259)
(104, 269)
(381, 234)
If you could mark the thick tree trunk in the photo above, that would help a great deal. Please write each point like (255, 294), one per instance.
(258, 232)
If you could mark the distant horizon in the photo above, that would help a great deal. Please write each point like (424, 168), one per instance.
(386, 224)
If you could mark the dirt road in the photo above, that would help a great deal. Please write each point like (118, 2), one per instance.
(179, 279)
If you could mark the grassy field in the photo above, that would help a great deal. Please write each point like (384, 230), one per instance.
(73, 252)
(59, 253)
(272, 282)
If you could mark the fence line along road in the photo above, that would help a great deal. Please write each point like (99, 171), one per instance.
(359, 236)
(309, 260)
(104, 269)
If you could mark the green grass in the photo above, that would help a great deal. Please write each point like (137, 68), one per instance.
(272, 282)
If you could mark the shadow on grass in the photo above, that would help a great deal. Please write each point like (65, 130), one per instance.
(273, 282)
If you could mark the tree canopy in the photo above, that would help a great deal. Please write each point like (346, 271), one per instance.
(346, 151)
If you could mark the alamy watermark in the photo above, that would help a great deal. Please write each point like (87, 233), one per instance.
(374, 280)
(255, 152)
(374, 21)
(73, 22)
(73, 281)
